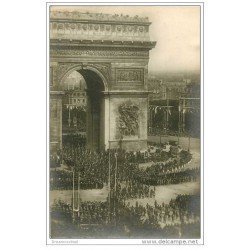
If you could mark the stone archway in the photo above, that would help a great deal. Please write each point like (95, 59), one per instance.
(67, 69)
(96, 86)
(112, 54)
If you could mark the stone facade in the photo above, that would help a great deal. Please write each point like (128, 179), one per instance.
(114, 63)
(98, 26)
(55, 120)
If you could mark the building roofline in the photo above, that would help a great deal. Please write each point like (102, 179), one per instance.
(76, 16)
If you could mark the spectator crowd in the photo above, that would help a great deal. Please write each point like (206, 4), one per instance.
(118, 166)
(182, 212)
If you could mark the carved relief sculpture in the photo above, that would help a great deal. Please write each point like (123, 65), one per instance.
(128, 119)
(129, 75)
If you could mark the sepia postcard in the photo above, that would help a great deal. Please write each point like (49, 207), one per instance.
(125, 123)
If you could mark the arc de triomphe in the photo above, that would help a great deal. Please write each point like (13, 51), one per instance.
(111, 52)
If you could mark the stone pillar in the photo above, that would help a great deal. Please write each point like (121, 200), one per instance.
(55, 137)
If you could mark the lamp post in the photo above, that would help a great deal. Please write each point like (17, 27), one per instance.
(115, 187)
(120, 142)
(150, 119)
(73, 194)
(159, 130)
(76, 208)
(69, 106)
(109, 185)
(188, 142)
(183, 115)
(78, 196)
(69, 119)
(167, 114)
(179, 120)
(115, 169)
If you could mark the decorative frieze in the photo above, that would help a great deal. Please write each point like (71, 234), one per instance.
(63, 30)
(55, 26)
(107, 52)
(120, 28)
(134, 76)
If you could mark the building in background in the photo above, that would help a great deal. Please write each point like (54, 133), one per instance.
(74, 87)
(173, 86)
(74, 103)
(174, 104)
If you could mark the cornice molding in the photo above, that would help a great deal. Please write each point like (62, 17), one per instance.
(97, 17)
(102, 43)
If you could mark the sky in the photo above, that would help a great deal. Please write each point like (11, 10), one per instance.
(176, 29)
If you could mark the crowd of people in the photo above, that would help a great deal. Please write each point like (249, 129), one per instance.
(139, 187)
(172, 164)
(60, 179)
(93, 213)
(74, 139)
(176, 133)
(92, 166)
(95, 170)
(128, 180)
(134, 190)
(182, 211)
(187, 175)
(63, 180)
